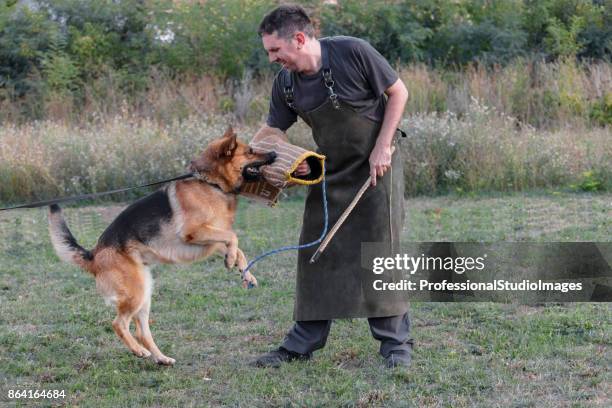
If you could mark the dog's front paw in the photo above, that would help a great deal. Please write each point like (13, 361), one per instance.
(248, 281)
(231, 256)
(230, 259)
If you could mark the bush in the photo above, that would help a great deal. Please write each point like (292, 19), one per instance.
(217, 37)
(590, 182)
(393, 28)
(484, 150)
(25, 35)
(601, 111)
(46, 159)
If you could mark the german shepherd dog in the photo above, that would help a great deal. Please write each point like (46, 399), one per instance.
(182, 222)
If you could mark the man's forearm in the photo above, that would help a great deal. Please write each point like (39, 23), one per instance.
(393, 114)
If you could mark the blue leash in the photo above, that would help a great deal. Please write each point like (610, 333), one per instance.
(291, 247)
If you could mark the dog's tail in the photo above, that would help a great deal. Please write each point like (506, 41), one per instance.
(64, 243)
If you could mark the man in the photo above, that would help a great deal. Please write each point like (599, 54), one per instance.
(337, 86)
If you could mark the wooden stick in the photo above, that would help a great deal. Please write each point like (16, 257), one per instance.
(341, 220)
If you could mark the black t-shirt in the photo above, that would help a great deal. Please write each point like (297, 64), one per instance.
(361, 76)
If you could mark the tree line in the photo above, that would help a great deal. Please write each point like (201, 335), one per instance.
(62, 46)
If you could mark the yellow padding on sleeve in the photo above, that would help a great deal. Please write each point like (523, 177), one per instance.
(297, 162)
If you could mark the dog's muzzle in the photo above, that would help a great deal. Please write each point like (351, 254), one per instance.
(252, 171)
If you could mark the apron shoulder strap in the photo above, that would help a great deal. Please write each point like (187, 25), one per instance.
(288, 88)
(324, 55)
(328, 80)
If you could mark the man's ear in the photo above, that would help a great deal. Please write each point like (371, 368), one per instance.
(300, 38)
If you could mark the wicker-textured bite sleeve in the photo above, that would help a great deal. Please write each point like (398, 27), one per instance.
(280, 174)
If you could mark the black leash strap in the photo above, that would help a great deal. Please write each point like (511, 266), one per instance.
(93, 195)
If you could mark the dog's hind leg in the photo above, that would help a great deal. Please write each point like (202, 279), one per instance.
(141, 321)
(138, 331)
(142, 318)
(128, 298)
(121, 326)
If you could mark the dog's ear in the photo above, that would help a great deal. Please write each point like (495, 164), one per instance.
(229, 144)
(229, 132)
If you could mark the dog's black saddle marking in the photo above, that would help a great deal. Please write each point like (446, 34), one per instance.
(141, 221)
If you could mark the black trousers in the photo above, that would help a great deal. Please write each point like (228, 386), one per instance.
(393, 332)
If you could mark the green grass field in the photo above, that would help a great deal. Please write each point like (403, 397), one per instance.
(56, 334)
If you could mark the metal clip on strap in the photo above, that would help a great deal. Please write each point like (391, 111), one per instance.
(327, 76)
(288, 88)
(329, 84)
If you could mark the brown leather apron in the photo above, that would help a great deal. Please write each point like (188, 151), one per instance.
(336, 286)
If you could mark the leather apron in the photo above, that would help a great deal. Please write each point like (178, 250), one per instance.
(336, 285)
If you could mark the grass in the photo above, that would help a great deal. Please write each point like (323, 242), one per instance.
(482, 149)
(55, 332)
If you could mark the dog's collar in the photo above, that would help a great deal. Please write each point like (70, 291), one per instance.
(201, 177)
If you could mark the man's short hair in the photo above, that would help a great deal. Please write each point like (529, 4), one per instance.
(286, 20)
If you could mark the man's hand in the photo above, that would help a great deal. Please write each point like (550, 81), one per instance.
(380, 161)
(303, 169)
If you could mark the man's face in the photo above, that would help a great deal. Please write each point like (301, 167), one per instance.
(282, 51)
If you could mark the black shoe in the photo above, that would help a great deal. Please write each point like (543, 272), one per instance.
(398, 359)
(278, 356)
